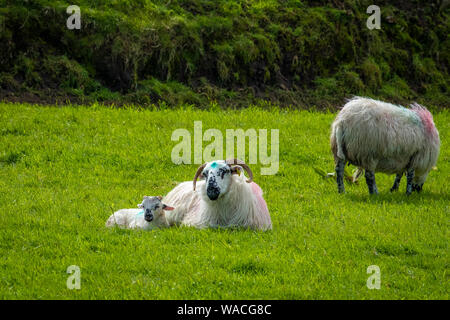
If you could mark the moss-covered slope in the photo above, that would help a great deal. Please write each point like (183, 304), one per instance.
(299, 53)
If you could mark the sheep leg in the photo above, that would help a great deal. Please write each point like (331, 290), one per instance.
(417, 187)
(370, 180)
(398, 177)
(409, 180)
(340, 166)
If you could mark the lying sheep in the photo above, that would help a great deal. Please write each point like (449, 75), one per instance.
(150, 215)
(224, 198)
(381, 137)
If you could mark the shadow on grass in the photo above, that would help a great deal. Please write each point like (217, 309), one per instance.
(248, 267)
(398, 197)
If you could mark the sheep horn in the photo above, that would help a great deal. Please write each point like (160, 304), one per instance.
(233, 162)
(199, 171)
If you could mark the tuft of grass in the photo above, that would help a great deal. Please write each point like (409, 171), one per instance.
(11, 157)
(83, 163)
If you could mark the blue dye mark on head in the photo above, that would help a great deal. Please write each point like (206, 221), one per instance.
(214, 164)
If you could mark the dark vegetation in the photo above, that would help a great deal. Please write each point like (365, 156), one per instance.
(299, 53)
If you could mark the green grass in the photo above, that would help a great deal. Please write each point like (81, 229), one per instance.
(63, 171)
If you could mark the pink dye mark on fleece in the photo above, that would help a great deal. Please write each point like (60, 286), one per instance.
(258, 194)
(426, 117)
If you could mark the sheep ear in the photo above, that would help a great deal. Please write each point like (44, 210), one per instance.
(166, 207)
(140, 205)
(236, 170)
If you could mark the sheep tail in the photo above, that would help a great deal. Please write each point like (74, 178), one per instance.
(339, 143)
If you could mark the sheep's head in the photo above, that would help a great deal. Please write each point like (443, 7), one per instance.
(217, 175)
(153, 207)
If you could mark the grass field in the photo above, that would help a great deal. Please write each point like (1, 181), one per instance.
(63, 171)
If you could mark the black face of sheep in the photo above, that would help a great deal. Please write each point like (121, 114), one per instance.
(216, 181)
(217, 176)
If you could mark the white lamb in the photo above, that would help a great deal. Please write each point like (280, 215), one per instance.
(150, 215)
(224, 198)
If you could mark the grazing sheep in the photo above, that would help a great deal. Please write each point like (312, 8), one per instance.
(150, 215)
(381, 137)
(224, 198)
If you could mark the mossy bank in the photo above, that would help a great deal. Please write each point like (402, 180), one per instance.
(299, 53)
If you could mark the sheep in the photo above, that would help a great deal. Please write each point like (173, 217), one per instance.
(224, 198)
(150, 215)
(381, 137)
